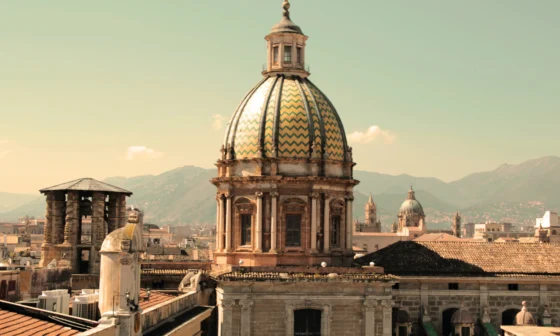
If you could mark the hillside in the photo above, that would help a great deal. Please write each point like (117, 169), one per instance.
(10, 201)
(516, 193)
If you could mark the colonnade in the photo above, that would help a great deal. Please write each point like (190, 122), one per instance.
(224, 216)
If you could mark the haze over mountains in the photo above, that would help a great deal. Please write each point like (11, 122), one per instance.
(516, 193)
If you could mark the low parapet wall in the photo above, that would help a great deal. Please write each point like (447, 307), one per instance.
(153, 316)
(84, 281)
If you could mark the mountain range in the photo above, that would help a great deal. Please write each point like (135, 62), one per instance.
(515, 193)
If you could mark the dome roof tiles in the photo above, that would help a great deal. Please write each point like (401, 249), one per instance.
(286, 117)
(411, 206)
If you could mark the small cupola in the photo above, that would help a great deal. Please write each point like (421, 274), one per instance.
(286, 47)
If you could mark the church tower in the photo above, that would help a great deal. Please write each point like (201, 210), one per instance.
(371, 223)
(457, 225)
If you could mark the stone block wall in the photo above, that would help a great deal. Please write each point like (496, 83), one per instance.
(474, 296)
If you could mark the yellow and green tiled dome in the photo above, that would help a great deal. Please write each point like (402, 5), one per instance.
(286, 117)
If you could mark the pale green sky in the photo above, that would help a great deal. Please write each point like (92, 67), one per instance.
(460, 86)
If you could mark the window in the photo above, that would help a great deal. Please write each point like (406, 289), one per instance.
(396, 286)
(246, 229)
(11, 285)
(293, 230)
(453, 286)
(299, 56)
(465, 331)
(513, 287)
(335, 231)
(275, 55)
(364, 246)
(287, 54)
(307, 322)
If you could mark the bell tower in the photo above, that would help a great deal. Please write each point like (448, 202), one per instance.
(457, 225)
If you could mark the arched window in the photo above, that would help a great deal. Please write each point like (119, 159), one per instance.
(446, 326)
(307, 322)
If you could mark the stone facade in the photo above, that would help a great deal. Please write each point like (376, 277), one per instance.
(268, 308)
(477, 295)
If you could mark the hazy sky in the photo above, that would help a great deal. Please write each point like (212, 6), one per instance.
(453, 86)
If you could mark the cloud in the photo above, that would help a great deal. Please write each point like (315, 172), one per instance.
(218, 122)
(133, 152)
(4, 152)
(373, 133)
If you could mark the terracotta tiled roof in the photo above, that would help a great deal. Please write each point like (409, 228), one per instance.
(23, 320)
(303, 277)
(156, 298)
(467, 259)
(87, 184)
(436, 237)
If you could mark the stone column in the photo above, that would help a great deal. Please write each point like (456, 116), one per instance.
(387, 317)
(228, 222)
(59, 204)
(273, 222)
(48, 231)
(114, 219)
(258, 227)
(121, 210)
(369, 314)
(71, 229)
(46, 247)
(349, 202)
(97, 230)
(327, 226)
(225, 318)
(314, 197)
(246, 305)
(219, 227)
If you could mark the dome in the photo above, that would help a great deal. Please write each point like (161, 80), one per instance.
(286, 25)
(411, 206)
(462, 316)
(286, 116)
(524, 317)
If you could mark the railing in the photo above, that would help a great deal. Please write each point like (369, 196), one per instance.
(288, 67)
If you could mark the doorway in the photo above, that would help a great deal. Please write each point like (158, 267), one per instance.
(446, 326)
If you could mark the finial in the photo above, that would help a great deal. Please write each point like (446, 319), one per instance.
(286, 8)
(524, 304)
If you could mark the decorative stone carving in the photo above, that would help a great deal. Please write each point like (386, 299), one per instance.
(349, 155)
(246, 303)
(294, 205)
(337, 207)
(223, 152)
(370, 304)
(227, 304)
